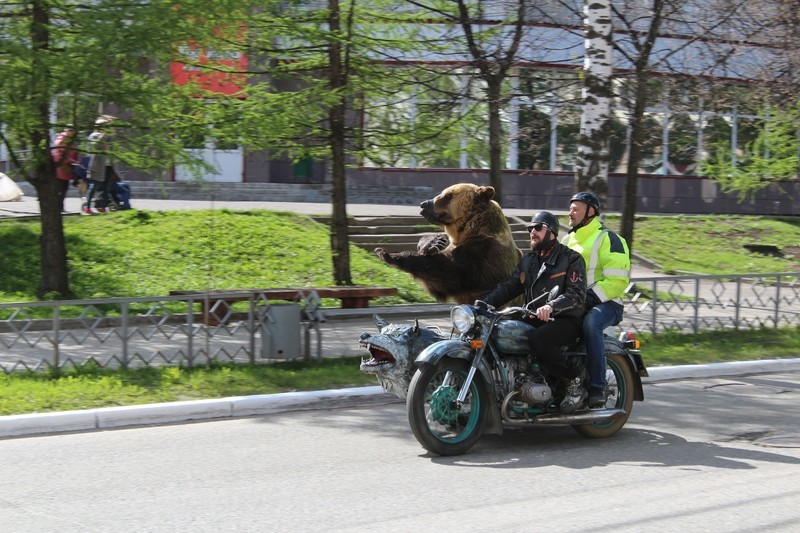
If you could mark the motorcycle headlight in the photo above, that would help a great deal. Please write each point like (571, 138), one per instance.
(463, 318)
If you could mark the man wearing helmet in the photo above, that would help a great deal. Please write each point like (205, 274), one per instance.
(608, 268)
(558, 322)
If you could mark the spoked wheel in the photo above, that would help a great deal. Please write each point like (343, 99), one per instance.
(619, 396)
(438, 422)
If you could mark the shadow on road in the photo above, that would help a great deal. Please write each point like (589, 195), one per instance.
(540, 447)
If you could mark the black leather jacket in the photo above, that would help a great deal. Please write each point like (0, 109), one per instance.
(537, 275)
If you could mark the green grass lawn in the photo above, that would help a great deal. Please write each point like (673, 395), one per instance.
(716, 244)
(146, 253)
(141, 253)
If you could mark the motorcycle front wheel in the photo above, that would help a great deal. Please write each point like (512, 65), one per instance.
(440, 425)
(619, 392)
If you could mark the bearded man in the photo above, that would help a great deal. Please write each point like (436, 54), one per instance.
(558, 322)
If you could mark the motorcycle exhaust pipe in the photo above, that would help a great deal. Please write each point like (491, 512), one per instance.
(555, 419)
(585, 417)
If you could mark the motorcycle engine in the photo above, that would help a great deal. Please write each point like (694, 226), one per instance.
(533, 389)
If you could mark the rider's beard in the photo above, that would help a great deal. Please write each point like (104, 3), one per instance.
(545, 244)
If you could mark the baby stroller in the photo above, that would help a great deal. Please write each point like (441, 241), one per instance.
(120, 193)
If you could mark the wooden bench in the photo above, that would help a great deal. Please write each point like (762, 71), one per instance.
(216, 303)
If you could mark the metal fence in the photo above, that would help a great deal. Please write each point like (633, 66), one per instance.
(168, 330)
(695, 302)
(192, 330)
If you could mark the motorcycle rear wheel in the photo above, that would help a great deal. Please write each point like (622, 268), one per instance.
(441, 426)
(620, 396)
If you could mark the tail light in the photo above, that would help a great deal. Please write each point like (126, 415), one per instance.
(629, 340)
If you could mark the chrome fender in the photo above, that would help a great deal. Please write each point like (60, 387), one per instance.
(458, 349)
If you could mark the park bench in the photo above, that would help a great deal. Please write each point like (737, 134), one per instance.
(216, 303)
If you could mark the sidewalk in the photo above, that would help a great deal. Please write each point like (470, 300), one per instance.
(29, 206)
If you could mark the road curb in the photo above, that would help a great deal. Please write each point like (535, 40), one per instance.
(734, 368)
(263, 404)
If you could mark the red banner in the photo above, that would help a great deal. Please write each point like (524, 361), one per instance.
(212, 71)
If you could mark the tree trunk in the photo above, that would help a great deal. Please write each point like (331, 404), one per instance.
(340, 244)
(593, 151)
(634, 159)
(54, 276)
(637, 123)
(493, 91)
(53, 252)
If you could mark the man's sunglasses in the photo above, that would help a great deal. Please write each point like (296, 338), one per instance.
(536, 227)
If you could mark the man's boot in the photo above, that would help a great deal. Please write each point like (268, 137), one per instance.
(574, 397)
(597, 398)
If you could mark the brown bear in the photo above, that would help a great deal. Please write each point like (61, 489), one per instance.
(476, 253)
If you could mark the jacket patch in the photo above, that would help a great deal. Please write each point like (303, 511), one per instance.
(574, 276)
(558, 275)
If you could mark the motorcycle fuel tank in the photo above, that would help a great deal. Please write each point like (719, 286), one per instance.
(511, 337)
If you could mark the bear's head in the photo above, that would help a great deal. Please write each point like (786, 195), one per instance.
(459, 206)
(455, 202)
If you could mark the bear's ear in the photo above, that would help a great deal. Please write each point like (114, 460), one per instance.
(485, 193)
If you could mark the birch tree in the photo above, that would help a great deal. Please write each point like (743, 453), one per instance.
(593, 148)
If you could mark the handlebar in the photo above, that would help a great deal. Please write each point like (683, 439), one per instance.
(483, 307)
(512, 310)
(524, 311)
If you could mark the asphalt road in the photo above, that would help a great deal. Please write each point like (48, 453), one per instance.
(716, 454)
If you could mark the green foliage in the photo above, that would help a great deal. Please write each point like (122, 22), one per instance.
(773, 156)
(87, 59)
(372, 38)
(64, 63)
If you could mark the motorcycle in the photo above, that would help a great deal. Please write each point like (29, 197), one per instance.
(471, 384)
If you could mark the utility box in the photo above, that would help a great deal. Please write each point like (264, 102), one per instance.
(280, 334)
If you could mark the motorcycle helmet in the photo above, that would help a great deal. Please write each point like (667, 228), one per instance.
(589, 198)
(547, 218)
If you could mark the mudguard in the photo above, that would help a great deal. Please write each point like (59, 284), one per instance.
(632, 357)
(636, 364)
(458, 349)
(639, 369)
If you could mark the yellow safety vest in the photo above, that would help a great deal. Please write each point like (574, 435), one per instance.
(608, 263)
